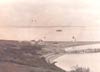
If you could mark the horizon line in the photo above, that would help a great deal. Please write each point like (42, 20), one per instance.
(64, 26)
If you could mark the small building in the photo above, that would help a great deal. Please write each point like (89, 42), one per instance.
(40, 42)
(73, 39)
(33, 42)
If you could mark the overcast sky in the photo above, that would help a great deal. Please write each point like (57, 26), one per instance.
(28, 13)
(50, 12)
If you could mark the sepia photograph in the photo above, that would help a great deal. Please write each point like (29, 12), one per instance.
(49, 36)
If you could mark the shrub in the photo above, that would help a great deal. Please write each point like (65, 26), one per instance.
(80, 69)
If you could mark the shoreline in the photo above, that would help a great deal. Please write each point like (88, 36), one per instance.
(53, 57)
(34, 55)
(83, 51)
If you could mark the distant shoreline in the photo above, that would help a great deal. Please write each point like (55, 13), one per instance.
(83, 51)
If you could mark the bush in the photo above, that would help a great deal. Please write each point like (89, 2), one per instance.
(80, 69)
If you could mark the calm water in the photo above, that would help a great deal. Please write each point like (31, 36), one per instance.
(91, 60)
(81, 34)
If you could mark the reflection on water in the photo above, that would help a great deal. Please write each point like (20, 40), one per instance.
(91, 60)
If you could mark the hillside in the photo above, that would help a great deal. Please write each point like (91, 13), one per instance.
(22, 56)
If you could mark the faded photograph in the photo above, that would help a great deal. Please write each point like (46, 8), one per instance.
(49, 36)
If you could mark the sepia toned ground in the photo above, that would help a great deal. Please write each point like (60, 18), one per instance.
(23, 56)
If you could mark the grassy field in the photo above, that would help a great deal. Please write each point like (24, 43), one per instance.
(22, 56)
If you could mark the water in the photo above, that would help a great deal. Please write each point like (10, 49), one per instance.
(90, 60)
(81, 34)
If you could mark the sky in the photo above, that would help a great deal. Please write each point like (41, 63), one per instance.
(81, 18)
(55, 12)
